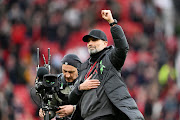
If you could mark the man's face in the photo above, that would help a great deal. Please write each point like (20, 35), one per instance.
(95, 45)
(70, 72)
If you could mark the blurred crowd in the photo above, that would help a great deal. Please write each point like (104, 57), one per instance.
(152, 66)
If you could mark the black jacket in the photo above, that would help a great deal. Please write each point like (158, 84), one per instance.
(64, 89)
(112, 60)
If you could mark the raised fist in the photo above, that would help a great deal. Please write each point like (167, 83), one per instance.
(107, 15)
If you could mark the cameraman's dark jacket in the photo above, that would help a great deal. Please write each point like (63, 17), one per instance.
(112, 59)
(64, 92)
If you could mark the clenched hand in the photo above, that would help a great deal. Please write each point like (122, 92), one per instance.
(107, 15)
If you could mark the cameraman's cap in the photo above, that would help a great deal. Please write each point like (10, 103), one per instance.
(95, 33)
(71, 59)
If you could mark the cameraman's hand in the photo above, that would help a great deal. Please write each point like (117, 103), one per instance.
(107, 15)
(41, 113)
(65, 110)
(89, 84)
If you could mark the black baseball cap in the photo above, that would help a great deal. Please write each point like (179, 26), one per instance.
(95, 33)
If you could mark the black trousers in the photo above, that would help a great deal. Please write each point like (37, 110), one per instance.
(106, 117)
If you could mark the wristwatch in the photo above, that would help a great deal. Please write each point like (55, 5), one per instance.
(115, 22)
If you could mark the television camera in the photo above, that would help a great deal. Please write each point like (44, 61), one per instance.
(46, 93)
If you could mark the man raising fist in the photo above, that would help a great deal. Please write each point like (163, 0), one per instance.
(100, 93)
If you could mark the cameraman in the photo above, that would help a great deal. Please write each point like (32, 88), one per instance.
(70, 65)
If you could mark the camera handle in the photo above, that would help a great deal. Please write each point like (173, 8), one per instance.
(48, 66)
(46, 117)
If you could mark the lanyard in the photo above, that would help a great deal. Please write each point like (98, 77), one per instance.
(91, 70)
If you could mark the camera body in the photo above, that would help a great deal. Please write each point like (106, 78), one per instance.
(49, 91)
(48, 84)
